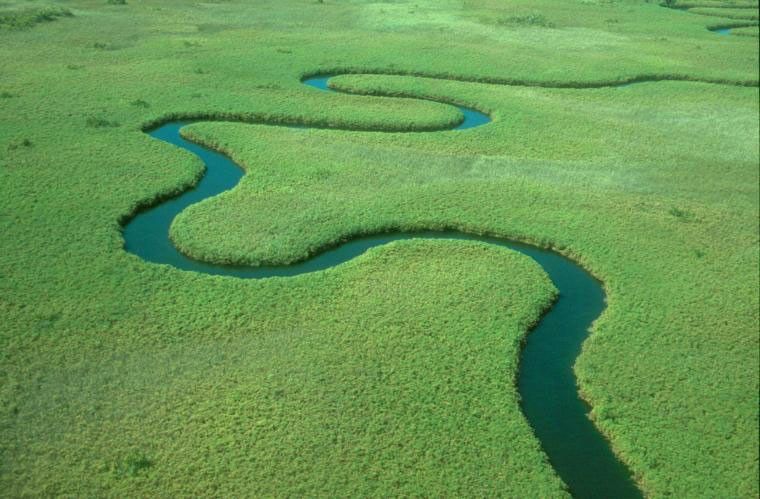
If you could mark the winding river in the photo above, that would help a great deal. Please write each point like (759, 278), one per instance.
(581, 456)
(728, 23)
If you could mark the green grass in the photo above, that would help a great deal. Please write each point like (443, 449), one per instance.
(526, 20)
(392, 374)
(746, 31)
(355, 366)
(740, 15)
(24, 17)
(744, 14)
(716, 4)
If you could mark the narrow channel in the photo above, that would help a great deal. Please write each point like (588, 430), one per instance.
(579, 453)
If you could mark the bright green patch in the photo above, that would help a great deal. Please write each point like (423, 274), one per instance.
(336, 383)
(392, 374)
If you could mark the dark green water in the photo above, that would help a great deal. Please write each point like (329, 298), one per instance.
(472, 118)
(578, 452)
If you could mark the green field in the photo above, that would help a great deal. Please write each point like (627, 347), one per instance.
(392, 374)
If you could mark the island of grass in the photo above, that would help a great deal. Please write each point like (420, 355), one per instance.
(392, 374)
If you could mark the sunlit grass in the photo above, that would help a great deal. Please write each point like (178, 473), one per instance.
(391, 375)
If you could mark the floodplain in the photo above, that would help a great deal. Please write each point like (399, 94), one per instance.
(623, 135)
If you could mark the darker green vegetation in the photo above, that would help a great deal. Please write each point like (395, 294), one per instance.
(132, 465)
(25, 18)
(104, 46)
(526, 20)
(748, 14)
(732, 14)
(100, 122)
(20, 143)
(682, 215)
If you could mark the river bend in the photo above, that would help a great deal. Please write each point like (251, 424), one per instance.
(580, 455)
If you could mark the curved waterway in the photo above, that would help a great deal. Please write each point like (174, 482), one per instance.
(580, 455)
(724, 29)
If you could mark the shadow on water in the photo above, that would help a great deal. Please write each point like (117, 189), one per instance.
(546, 382)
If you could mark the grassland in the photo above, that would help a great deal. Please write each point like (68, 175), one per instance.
(741, 14)
(392, 374)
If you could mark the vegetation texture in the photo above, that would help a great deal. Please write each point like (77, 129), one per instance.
(392, 374)
(739, 15)
(26, 17)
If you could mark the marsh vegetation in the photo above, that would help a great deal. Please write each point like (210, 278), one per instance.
(393, 374)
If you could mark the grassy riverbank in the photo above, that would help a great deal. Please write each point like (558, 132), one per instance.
(393, 373)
